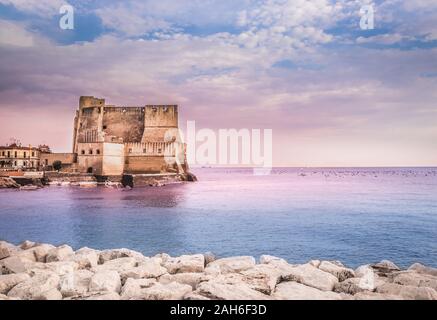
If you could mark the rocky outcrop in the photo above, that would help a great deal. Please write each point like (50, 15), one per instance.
(45, 272)
(6, 182)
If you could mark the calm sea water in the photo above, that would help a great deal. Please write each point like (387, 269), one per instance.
(356, 216)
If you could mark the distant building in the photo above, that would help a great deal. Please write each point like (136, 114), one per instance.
(16, 157)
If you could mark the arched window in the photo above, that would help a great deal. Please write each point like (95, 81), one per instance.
(82, 152)
(90, 151)
(98, 151)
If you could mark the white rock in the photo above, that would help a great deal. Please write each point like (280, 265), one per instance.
(291, 290)
(150, 268)
(105, 281)
(350, 286)
(133, 288)
(384, 267)
(413, 278)
(232, 264)
(120, 265)
(8, 281)
(190, 278)
(52, 294)
(408, 292)
(262, 277)
(60, 253)
(86, 258)
(15, 264)
(185, 263)
(27, 244)
(58, 267)
(76, 283)
(41, 250)
(266, 259)
(340, 272)
(218, 290)
(170, 291)
(311, 276)
(315, 263)
(420, 268)
(7, 249)
(35, 287)
(363, 270)
(107, 255)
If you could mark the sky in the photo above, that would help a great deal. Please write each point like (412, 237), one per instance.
(333, 93)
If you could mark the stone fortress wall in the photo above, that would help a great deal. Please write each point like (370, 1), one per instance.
(112, 140)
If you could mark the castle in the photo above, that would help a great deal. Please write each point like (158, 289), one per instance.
(115, 140)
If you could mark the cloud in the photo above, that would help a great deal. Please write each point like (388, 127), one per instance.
(13, 34)
(37, 7)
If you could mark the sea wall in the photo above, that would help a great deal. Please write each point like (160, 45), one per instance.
(46, 272)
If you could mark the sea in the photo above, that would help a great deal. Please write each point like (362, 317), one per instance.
(353, 215)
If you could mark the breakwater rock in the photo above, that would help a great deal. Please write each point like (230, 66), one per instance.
(43, 271)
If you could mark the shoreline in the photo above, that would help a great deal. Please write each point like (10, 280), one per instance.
(32, 271)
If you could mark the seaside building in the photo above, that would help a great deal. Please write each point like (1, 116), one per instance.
(111, 140)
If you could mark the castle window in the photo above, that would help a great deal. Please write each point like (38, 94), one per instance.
(9, 154)
(82, 152)
(15, 163)
(15, 154)
(104, 127)
(90, 151)
(33, 153)
(130, 150)
(98, 151)
(24, 154)
(3, 153)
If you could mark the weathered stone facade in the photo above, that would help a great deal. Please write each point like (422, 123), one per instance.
(112, 140)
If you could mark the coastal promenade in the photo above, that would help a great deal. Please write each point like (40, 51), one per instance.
(34, 271)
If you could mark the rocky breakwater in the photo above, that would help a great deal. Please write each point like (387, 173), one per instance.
(43, 271)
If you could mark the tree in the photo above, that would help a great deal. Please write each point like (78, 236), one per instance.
(57, 165)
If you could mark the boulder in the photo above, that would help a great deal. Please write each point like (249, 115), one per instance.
(60, 253)
(350, 286)
(209, 257)
(105, 295)
(420, 268)
(41, 251)
(412, 278)
(133, 288)
(107, 255)
(76, 283)
(266, 259)
(170, 291)
(190, 278)
(315, 263)
(185, 263)
(58, 267)
(120, 265)
(340, 272)
(52, 294)
(384, 267)
(363, 270)
(262, 277)
(86, 258)
(193, 296)
(219, 290)
(232, 264)
(15, 264)
(107, 280)
(35, 287)
(408, 292)
(310, 276)
(8, 281)
(150, 268)
(27, 244)
(163, 257)
(7, 249)
(291, 290)
(368, 295)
